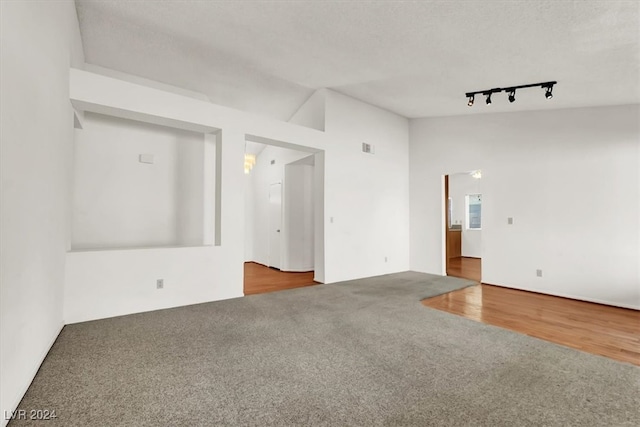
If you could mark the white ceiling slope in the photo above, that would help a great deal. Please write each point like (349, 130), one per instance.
(414, 58)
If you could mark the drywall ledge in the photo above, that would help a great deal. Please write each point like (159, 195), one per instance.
(108, 72)
(38, 41)
(106, 95)
(142, 117)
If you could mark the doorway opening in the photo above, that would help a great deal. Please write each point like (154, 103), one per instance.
(284, 216)
(463, 225)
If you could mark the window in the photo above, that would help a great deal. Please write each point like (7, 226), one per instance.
(474, 211)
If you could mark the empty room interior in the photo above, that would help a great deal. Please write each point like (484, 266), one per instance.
(346, 213)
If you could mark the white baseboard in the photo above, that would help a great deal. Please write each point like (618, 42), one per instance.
(568, 296)
(34, 371)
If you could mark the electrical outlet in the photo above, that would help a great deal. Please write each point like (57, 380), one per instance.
(160, 284)
(539, 273)
(385, 259)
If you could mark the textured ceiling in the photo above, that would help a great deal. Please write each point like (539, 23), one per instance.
(414, 58)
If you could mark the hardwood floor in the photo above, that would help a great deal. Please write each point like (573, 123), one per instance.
(259, 279)
(599, 329)
(465, 267)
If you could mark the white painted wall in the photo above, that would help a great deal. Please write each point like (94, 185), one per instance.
(460, 185)
(109, 283)
(569, 178)
(298, 217)
(119, 202)
(39, 41)
(191, 275)
(366, 194)
(312, 113)
(261, 177)
(368, 197)
(142, 81)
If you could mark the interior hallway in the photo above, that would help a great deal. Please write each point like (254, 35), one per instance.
(465, 268)
(595, 328)
(260, 279)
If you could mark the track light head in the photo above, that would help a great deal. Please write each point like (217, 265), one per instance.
(512, 96)
(488, 101)
(548, 94)
(471, 99)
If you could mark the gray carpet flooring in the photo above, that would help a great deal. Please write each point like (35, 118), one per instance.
(358, 353)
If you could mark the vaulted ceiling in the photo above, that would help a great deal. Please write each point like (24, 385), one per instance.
(414, 58)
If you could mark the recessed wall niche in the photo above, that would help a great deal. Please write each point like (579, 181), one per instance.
(141, 185)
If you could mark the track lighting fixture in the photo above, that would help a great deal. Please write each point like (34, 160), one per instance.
(548, 86)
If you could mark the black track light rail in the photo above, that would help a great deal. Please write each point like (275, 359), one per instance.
(544, 85)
